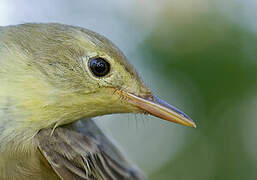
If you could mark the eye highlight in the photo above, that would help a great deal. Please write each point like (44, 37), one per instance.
(99, 67)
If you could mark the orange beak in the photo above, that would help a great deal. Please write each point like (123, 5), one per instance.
(160, 108)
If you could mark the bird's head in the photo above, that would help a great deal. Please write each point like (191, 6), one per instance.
(56, 74)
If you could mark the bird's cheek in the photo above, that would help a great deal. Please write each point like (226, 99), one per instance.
(107, 101)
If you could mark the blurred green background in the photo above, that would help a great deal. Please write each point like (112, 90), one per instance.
(218, 57)
(199, 55)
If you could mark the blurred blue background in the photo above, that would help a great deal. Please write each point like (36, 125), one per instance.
(199, 55)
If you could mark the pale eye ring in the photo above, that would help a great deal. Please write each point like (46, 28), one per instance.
(99, 66)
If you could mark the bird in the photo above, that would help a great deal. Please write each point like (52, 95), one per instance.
(54, 78)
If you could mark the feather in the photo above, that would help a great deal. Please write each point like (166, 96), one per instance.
(81, 151)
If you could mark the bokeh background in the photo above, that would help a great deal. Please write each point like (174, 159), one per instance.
(199, 55)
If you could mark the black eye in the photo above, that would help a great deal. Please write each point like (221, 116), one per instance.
(99, 67)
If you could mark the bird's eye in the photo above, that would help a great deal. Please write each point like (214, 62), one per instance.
(99, 67)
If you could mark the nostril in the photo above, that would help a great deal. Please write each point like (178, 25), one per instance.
(148, 96)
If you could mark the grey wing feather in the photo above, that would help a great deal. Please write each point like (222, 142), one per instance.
(81, 151)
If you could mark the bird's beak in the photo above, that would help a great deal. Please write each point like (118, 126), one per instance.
(159, 108)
